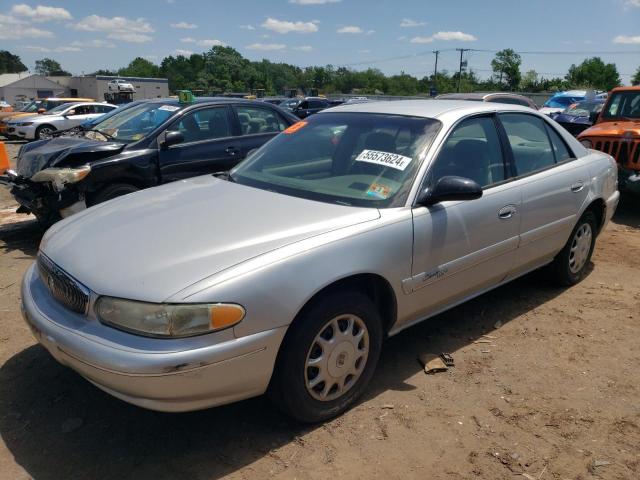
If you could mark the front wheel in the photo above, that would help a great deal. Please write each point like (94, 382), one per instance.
(328, 357)
(570, 265)
(44, 132)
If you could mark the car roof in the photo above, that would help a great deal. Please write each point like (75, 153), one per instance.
(626, 89)
(65, 99)
(204, 100)
(425, 108)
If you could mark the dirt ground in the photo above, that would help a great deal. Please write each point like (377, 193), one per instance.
(546, 386)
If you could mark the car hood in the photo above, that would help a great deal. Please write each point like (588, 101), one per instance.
(612, 129)
(151, 244)
(565, 118)
(63, 151)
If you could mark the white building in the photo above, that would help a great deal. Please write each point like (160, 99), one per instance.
(24, 87)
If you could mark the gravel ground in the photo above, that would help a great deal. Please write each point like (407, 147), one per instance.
(546, 386)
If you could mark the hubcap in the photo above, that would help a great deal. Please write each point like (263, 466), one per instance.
(337, 357)
(45, 133)
(580, 247)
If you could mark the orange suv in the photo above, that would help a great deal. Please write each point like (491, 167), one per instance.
(617, 132)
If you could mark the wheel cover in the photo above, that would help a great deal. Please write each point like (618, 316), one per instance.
(337, 357)
(580, 247)
(45, 133)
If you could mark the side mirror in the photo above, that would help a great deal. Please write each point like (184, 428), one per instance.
(450, 188)
(70, 113)
(41, 110)
(172, 137)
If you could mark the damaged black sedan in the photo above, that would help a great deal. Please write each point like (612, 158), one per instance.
(144, 145)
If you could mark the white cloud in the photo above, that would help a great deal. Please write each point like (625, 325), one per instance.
(12, 28)
(266, 46)
(313, 2)
(303, 48)
(41, 13)
(633, 3)
(410, 23)
(96, 23)
(627, 39)
(247, 27)
(65, 48)
(186, 53)
(211, 43)
(130, 37)
(97, 43)
(350, 29)
(188, 40)
(283, 26)
(445, 36)
(184, 25)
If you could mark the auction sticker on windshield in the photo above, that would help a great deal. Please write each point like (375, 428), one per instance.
(386, 159)
(169, 108)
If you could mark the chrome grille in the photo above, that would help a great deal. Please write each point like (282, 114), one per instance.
(62, 287)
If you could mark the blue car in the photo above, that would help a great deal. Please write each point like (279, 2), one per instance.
(577, 117)
(562, 100)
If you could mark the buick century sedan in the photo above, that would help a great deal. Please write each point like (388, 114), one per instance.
(286, 274)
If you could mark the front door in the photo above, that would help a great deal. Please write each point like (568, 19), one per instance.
(463, 247)
(258, 125)
(209, 145)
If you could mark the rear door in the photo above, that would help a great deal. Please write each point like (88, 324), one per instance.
(209, 144)
(463, 247)
(554, 186)
(258, 125)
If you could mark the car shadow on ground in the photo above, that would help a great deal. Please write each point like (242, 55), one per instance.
(57, 425)
(19, 232)
(628, 212)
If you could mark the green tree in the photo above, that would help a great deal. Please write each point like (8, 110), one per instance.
(140, 67)
(594, 73)
(10, 63)
(635, 80)
(506, 65)
(105, 72)
(50, 68)
(529, 81)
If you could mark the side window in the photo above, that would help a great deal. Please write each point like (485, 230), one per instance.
(316, 104)
(257, 120)
(472, 151)
(204, 124)
(529, 142)
(560, 148)
(303, 105)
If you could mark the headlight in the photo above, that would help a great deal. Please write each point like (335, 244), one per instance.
(61, 176)
(586, 143)
(25, 124)
(167, 320)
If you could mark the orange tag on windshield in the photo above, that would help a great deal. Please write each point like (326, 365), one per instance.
(295, 127)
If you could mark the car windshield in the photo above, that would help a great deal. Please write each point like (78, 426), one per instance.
(134, 123)
(623, 105)
(360, 159)
(290, 104)
(560, 102)
(31, 107)
(57, 110)
(583, 109)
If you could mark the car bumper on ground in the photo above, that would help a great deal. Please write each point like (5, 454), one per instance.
(171, 381)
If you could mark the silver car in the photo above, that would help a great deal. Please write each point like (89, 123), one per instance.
(286, 274)
(62, 117)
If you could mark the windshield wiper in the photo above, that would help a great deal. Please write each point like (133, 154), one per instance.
(104, 134)
(225, 176)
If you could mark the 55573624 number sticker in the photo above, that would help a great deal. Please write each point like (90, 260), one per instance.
(385, 159)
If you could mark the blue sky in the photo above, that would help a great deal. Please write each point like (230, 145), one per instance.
(84, 36)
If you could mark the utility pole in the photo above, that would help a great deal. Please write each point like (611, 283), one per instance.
(435, 69)
(461, 50)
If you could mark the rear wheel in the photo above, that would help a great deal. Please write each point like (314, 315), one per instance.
(111, 191)
(44, 132)
(570, 265)
(328, 357)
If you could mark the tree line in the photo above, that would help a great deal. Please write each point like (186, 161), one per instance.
(224, 69)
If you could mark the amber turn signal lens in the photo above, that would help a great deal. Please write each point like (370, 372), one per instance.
(226, 315)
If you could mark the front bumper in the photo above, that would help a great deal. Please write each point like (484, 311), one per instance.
(27, 133)
(41, 199)
(152, 376)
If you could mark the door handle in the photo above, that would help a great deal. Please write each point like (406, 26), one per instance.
(576, 187)
(507, 211)
(233, 151)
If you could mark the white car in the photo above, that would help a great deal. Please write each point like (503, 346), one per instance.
(68, 115)
(120, 85)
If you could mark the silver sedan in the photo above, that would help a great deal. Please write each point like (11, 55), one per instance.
(286, 274)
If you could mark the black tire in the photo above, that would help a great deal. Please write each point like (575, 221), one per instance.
(288, 389)
(111, 191)
(44, 131)
(563, 269)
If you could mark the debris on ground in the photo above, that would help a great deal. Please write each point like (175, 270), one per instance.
(432, 363)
